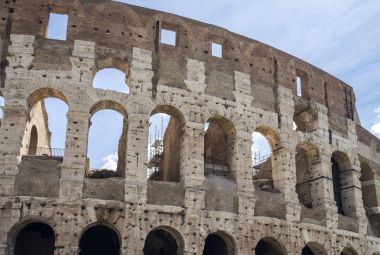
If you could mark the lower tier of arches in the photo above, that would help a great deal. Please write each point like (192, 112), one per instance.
(96, 227)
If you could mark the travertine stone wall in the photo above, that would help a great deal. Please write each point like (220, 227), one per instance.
(255, 94)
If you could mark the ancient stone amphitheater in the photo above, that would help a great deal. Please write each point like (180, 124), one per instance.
(318, 192)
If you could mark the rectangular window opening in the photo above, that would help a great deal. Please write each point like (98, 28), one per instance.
(168, 37)
(299, 86)
(57, 27)
(217, 50)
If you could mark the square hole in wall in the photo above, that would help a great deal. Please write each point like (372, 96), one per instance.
(217, 50)
(57, 27)
(299, 86)
(168, 37)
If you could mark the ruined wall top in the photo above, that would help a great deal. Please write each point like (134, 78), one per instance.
(117, 27)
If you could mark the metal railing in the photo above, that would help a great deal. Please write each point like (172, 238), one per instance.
(43, 151)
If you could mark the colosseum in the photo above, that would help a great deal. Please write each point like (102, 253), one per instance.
(318, 192)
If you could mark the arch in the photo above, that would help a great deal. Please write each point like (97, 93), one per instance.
(166, 137)
(367, 173)
(112, 62)
(110, 161)
(313, 248)
(219, 141)
(270, 135)
(307, 155)
(99, 239)
(219, 243)
(348, 251)
(304, 118)
(109, 105)
(33, 141)
(35, 236)
(111, 79)
(163, 240)
(43, 93)
(269, 246)
(339, 164)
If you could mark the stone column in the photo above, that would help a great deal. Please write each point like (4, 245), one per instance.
(75, 158)
(11, 134)
(243, 174)
(137, 151)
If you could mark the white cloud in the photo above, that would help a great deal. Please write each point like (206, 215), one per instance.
(110, 162)
(375, 128)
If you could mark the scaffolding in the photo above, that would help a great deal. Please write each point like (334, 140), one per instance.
(156, 149)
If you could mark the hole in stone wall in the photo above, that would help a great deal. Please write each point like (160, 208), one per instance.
(168, 37)
(165, 140)
(111, 79)
(106, 156)
(299, 86)
(57, 27)
(218, 146)
(217, 50)
(45, 132)
(99, 240)
(36, 237)
(339, 165)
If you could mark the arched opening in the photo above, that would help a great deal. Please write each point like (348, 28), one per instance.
(45, 132)
(348, 251)
(339, 164)
(306, 156)
(218, 146)
(165, 140)
(163, 242)
(107, 156)
(268, 246)
(313, 249)
(35, 239)
(303, 118)
(99, 240)
(33, 141)
(261, 156)
(218, 244)
(368, 187)
(111, 79)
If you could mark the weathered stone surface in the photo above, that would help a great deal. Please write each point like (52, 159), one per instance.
(251, 88)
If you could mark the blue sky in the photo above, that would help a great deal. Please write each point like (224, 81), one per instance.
(341, 37)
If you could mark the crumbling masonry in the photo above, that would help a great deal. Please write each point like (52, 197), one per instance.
(318, 193)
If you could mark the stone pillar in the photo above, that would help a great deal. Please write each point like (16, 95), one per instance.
(242, 164)
(75, 158)
(141, 73)
(137, 151)
(11, 134)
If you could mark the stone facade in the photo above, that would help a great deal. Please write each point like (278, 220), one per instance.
(251, 88)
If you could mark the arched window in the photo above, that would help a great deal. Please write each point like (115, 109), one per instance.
(313, 248)
(268, 246)
(261, 155)
(35, 238)
(107, 141)
(111, 79)
(161, 241)
(218, 244)
(165, 140)
(339, 164)
(45, 132)
(218, 146)
(306, 156)
(33, 141)
(99, 240)
(303, 119)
